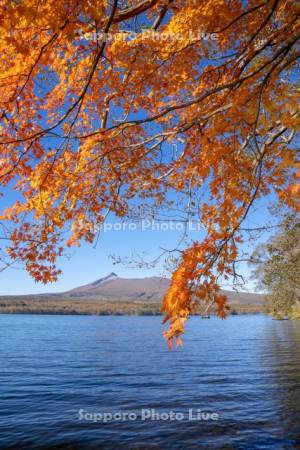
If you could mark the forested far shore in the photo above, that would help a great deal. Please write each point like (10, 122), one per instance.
(89, 306)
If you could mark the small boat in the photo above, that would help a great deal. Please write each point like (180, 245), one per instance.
(205, 316)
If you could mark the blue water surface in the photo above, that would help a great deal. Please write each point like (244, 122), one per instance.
(57, 372)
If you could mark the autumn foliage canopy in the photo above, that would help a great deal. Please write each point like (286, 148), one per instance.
(95, 93)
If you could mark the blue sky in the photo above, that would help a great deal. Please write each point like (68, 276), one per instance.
(87, 263)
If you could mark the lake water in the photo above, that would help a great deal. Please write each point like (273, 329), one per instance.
(59, 373)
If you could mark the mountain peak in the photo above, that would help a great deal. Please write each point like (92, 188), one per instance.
(112, 274)
(109, 277)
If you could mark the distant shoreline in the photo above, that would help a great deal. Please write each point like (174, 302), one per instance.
(100, 307)
(117, 314)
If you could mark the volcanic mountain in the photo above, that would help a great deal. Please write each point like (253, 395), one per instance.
(151, 288)
(115, 287)
(113, 295)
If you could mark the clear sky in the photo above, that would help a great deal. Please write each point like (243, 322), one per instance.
(86, 264)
